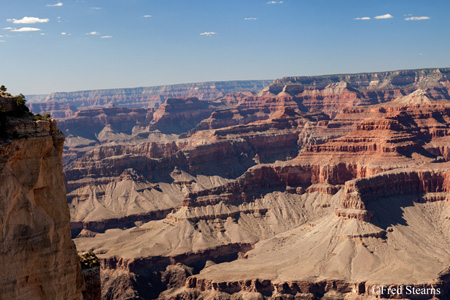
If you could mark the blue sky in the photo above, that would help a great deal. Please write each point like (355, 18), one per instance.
(66, 45)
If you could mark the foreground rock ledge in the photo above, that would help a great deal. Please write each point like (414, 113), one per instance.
(38, 258)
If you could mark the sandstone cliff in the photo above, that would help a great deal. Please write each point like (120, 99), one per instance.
(38, 258)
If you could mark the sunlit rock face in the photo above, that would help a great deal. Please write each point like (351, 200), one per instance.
(38, 258)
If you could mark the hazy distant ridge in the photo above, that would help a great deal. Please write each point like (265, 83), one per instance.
(135, 97)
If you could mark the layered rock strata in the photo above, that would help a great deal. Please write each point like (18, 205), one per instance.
(331, 93)
(266, 198)
(38, 257)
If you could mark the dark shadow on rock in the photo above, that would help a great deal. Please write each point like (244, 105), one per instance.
(389, 211)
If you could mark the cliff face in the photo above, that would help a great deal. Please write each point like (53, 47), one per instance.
(38, 257)
(331, 93)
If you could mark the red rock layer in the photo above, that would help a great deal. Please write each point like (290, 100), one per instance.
(431, 179)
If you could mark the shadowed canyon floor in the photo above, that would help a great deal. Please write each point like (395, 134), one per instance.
(315, 188)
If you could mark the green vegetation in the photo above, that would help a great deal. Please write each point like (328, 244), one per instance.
(89, 260)
(44, 117)
(21, 103)
(21, 100)
(3, 90)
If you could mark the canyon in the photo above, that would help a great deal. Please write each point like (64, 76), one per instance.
(312, 187)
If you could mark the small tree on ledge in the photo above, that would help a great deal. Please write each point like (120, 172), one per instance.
(3, 88)
(44, 117)
(89, 260)
(21, 103)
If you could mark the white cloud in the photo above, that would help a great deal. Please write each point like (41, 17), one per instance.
(1, 36)
(26, 29)
(363, 18)
(59, 19)
(208, 33)
(106, 37)
(417, 18)
(56, 4)
(43, 33)
(386, 16)
(65, 33)
(7, 28)
(250, 19)
(92, 33)
(28, 20)
(96, 8)
(275, 2)
(147, 16)
(2, 41)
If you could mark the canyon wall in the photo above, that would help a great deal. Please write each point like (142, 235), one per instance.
(38, 257)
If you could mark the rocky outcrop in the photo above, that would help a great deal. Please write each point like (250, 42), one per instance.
(93, 284)
(89, 123)
(177, 115)
(429, 183)
(326, 289)
(8, 102)
(331, 93)
(38, 257)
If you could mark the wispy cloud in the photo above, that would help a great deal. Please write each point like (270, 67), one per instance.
(106, 37)
(96, 8)
(363, 18)
(386, 16)
(275, 2)
(92, 33)
(59, 19)
(25, 29)
(208, 33)
(417, 18)
(65, 33)
(56, 4)
(42, 33)
(28, 20)
(147, 16)
(250, 19)
(2, 41)
(7, 28)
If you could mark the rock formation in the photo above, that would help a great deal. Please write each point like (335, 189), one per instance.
(317, 187)
(38, 258)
